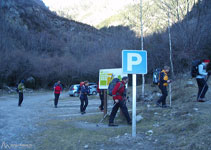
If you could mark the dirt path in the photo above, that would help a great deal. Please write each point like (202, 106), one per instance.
(18, 122)
(38, 125)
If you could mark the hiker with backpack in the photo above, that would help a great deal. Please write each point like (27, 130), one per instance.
(201, 78)
(84, 97)
(79, 88)
(20, 90)
(57, 91)
(162, 84)
(101, 95)
(119, 97)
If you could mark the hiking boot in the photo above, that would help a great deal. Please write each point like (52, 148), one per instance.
(55, 106)
(129, 123)
(201, 100)
(112, 125)
(83, 112)
(101, 109)
(158, 105)
(164, 106)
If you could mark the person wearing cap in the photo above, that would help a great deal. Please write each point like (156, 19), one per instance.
(119, 97)
(20, 91)
(201, 80)
(162, 84)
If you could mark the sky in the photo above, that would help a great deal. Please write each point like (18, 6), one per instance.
(91, 12)
(59, 3)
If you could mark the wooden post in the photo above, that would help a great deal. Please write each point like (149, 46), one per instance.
(105, 102)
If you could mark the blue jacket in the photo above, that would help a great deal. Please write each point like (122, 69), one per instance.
(84, 91)
(202, 71)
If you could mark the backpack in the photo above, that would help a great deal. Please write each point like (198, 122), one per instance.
(195, 68)
(57, 88)
(17, 90)
(156, 74)
(112, 85)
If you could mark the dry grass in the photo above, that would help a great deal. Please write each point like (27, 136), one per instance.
(185, 126)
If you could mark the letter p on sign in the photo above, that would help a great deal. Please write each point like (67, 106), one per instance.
(131, 61)
(134, 62)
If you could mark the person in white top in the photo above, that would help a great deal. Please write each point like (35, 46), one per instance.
(201, 79)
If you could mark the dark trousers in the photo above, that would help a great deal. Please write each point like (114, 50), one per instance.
(202, 85)
(20, 99)
(56, 99)
(101, 94)
(84, 103)
(123, 107)
(164, 95)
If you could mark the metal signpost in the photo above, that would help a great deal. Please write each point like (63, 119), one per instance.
(134, 62)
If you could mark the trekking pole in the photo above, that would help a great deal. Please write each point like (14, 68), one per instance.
(203, 88)
(101, 120)
(104, 117)
(170, 98)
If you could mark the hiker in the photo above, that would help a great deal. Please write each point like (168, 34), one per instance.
(20, 91)
(162, 84)
(57, 91)
(101, 95)
(201, 79)
(119, 97)
(83, 97)
(79, 88)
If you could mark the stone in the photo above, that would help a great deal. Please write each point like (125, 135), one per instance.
(150, 132)
(117, 137)
(196, 109)
(139, 118)
(156, 125)
(189, 84)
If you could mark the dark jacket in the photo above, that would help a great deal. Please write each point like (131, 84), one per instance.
(84, 91)
(119, 91)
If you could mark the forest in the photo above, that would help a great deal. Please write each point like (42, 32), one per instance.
(36, 42)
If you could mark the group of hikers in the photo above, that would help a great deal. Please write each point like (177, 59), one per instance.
(119, 91)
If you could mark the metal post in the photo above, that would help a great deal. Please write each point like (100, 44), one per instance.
(105, 102)
(170, 93)
(134, 107)
(170, 46)
(142, 45)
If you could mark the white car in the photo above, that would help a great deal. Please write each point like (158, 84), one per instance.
(74, 90)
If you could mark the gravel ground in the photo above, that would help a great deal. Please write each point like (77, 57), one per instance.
(16, 123)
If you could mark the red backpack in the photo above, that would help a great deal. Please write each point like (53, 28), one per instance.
(57, 89)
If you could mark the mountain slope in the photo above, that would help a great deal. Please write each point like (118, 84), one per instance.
(107, 13)
(37, 40)
(88, 11)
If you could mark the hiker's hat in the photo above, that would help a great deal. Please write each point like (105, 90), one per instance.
(206, 61)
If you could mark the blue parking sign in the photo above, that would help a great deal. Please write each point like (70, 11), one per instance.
(134, 62)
